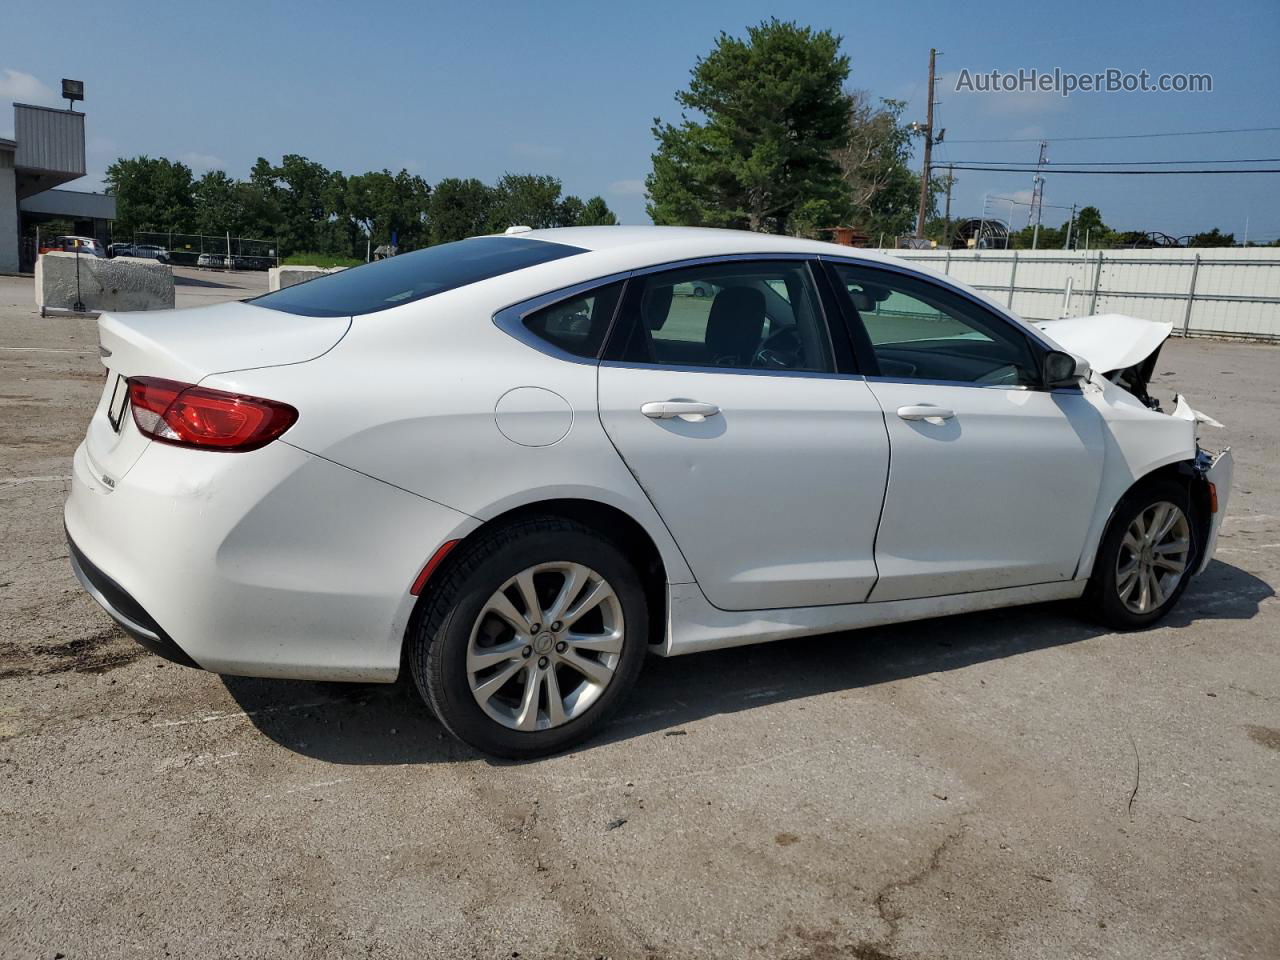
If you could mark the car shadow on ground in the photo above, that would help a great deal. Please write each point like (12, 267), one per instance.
(181, 281)
(388, 724)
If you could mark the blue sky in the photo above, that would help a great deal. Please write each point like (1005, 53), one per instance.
(571, 88)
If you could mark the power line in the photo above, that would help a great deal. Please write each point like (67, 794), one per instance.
(1115, 173)
(1119, 163)
(1117, 136)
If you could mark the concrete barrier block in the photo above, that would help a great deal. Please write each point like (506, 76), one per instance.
(280, 277)
(123, 284)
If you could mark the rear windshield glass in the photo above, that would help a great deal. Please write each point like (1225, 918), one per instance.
(411, 276)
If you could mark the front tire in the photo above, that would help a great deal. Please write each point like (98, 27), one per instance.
(1146, 558)
(531, 638)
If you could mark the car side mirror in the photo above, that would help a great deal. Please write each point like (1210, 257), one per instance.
(1064, 369)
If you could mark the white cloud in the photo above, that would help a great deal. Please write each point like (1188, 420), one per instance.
(25, 88)
(200, 162)
(22, 87)
(1001, 102)
(627, 188)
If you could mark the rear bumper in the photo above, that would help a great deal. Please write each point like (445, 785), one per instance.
(124, 609)
(273, 563)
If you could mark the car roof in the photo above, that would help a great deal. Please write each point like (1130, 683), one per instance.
(694, 241)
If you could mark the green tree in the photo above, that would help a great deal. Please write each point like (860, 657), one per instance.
(596, 213)
(218, 204)
(1213, 238)
(571, 210)
(883, 191)
(1089, 226)
(458, 209)
(774, 110)
(151, 193)
(383, 204)
(526, 199)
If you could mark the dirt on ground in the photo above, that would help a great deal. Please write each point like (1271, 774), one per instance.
(1017, 784)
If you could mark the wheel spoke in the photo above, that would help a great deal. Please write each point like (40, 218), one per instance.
(486, 657)
(598, 595)
(500, 605)
(1170, 563)
(593, 670)
(1171, 515)
(1158, 513)
(1171, 546)
(524, 583)
(555, 702)
(1144, 590)
(596, 642)
(527, 716)
(1130, 543)
(486, 690)
(575, 578)
(1127, 580)
(1157, 594)
(1139, 526)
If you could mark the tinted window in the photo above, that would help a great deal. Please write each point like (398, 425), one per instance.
(920, 331)
(579, 324)
(412, 276)
(757, 316)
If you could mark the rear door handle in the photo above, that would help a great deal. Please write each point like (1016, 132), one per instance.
(690, 411)
(925, 411)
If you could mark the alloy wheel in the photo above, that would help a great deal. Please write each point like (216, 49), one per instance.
(545, 646)
(1153, 557)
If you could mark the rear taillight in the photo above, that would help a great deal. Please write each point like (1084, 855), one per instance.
(190, 416)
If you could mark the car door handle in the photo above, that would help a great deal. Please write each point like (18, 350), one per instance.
(690, 411)
(925, 411)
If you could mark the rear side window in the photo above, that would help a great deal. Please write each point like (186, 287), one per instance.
(577, 325)
(412, 276)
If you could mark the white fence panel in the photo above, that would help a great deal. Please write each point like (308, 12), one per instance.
(1224, 292)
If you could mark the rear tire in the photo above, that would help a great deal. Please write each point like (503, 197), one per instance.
(1146, 557)
(503, 680)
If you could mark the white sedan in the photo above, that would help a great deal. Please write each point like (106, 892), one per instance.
(517, 464)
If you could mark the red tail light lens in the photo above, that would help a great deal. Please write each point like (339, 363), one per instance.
(190, 416)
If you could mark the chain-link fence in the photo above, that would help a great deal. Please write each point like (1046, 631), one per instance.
(1219, 292)
(220, 253)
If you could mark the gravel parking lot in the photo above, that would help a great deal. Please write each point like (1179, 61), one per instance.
(1017, 784)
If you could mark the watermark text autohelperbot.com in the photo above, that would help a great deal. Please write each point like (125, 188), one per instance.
(1065, 83)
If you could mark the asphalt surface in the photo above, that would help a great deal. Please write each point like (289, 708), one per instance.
(1019, 784)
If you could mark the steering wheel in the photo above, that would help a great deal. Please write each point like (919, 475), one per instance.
(779, 351)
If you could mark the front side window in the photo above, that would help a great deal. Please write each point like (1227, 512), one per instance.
(577, 325)
(412, 276)
(921, 331)
(735, 315)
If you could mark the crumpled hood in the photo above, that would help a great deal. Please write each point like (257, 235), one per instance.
(1109, 341)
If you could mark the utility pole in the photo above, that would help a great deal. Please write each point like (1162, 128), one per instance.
(1070, 223)
(928, 150)
(946, 217)
(1037, 194)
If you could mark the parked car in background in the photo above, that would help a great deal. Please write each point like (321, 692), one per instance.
(211, 260)
(516, 465)
(120, 250)
(248, 262)
(151, 252)
(87, 246)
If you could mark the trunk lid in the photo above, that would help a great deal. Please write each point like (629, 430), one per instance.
(188, 345)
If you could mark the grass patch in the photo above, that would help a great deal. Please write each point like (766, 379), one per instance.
(325, 260)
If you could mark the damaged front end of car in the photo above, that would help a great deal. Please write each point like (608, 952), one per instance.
(1124, 350)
